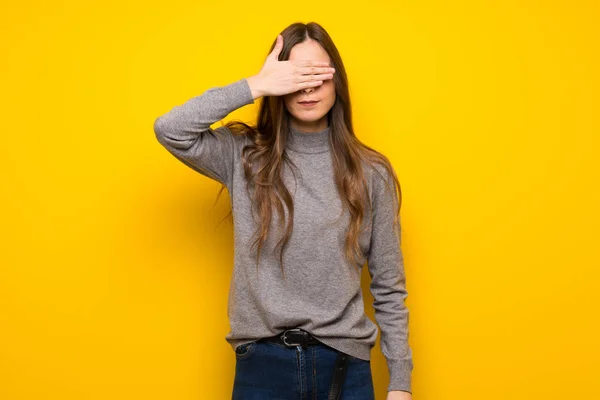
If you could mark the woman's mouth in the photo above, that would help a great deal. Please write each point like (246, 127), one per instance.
(308, 103)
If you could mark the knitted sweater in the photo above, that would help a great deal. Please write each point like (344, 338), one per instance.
(321, 292)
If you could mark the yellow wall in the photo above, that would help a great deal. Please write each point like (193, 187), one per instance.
(115, 270)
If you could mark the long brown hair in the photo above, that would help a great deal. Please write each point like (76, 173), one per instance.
(263, 159)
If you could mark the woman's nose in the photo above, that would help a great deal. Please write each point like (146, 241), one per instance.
(308, 90)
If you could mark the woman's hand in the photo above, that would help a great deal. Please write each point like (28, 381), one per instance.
(277, 78)
(399, 395)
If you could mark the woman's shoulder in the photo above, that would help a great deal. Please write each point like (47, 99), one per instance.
(377, 174)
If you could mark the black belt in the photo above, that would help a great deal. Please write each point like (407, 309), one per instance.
(293, 337)
(298, 337)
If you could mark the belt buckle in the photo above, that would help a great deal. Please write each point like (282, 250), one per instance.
(283, 336)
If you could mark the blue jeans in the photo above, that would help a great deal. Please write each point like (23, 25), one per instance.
(273, 371)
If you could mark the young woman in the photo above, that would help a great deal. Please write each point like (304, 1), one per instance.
(311, 205)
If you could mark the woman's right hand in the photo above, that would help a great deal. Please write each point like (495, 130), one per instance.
(277, 78)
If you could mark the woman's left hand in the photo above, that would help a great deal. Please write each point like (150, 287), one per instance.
(399, 395)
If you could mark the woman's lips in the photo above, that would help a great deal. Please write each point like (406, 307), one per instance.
(307, 103)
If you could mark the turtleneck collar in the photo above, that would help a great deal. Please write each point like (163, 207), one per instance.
(308, 142)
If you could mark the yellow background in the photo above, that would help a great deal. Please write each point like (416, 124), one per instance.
(115, 268)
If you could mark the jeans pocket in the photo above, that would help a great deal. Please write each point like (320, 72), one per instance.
(244, 350)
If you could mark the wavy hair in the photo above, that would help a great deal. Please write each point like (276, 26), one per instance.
(263, 159)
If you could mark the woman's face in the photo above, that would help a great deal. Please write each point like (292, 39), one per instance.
(311, 118)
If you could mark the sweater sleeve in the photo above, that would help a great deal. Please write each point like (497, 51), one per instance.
(388, 284)
(185, 130)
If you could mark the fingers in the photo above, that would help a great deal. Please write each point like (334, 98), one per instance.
(311, 63)
(316, 74)
(315, 77)
(306, 84)
(278, 46)
(316, 70)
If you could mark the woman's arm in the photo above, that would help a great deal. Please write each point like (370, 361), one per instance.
(388, 285)
(185, 130)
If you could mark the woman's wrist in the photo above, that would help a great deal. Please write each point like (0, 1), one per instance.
(255, 86)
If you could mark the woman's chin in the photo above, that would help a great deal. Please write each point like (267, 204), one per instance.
(308, 116)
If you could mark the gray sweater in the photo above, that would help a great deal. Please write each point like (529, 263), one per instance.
(321, 292)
